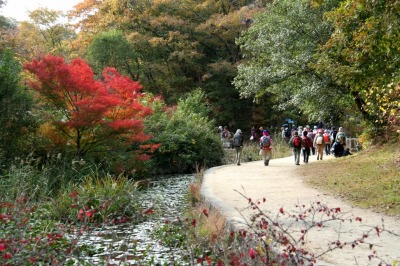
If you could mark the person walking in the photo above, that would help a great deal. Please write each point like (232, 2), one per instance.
(310, 134)
(296, 143)
(266, 147)
(319, 143)
(327, 141)
(225, 137)
(253, 135)
(307, 144)
(238, 145)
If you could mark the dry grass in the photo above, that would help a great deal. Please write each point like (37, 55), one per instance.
(368, 179)
(211, 227)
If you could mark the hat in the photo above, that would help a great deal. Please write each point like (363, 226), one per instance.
(239, 131)
(307, 126)
(315, 127)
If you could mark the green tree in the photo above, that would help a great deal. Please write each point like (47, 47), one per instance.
(112, 49)
(186, 135)
(362, 55)
(279, 51)
(16, 120)
(180, 46)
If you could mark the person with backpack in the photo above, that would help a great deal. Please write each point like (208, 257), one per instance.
(327, 141)
(225, 137)
(319, 143)
(341, 136)
(266, 147)
(307, 144)
(311, 135)
(333, 135)
(339, 143)
(253, 135)
(296, 143)
(237, 144)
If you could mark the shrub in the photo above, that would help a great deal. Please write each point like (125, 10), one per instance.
(185, 134)
(26, 239)
(105, 200)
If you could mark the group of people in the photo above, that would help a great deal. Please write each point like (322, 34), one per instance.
(236, 141)
(304, 141)
(317, 141)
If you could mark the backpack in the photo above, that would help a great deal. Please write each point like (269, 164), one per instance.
(326, 137)
(265, 141)
(307, 142)
(287, 133)
(340, 137)
(237, 141)
(333, 135)
(296, 141)
(320, 140)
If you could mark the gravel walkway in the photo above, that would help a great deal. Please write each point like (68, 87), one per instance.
(222, 188)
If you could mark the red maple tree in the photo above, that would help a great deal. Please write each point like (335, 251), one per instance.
(95, 114)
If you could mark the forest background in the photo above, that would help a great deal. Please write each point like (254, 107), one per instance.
(191, 66)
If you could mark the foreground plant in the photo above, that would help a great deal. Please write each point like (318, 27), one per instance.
(267, 238)
(26, 239)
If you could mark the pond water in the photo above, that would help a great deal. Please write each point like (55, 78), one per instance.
(122, 244)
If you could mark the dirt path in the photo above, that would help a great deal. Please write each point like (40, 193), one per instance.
(281, 187)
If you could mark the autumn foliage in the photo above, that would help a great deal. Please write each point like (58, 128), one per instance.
(96, 115)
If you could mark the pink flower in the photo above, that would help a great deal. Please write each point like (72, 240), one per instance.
(3, 247)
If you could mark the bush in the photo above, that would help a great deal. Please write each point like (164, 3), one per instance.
(186, 136)
(97, 200)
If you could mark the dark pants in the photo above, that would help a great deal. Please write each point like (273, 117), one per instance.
(296, 153)
(327, 148)
(306, 154)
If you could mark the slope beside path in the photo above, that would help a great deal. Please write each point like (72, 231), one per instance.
(282, 188)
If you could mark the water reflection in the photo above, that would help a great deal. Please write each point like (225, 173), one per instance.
(122, 244)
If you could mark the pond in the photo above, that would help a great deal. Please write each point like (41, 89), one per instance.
(121, 244)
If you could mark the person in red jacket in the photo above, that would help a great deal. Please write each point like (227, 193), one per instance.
(327, 140)
(307, 144)
(265, 146)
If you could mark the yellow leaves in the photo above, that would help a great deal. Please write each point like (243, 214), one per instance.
(155, 41)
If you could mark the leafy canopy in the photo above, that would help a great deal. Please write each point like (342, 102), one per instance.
(278, 51)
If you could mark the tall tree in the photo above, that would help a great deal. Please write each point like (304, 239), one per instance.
(96, 116)
(180, 46)
(16, 119)
(112, 49)
(44, 33)
(279, 49)
(362, 55)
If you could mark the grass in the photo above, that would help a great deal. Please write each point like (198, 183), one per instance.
(369, 179)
